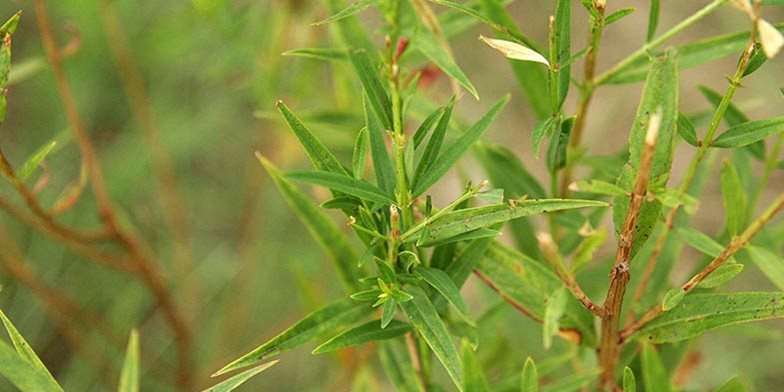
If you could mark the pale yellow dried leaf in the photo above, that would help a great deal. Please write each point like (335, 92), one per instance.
(770, 38)
(514, 50)
(744, 6)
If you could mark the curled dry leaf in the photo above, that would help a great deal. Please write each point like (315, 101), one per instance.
(514, 50)
(770, 37)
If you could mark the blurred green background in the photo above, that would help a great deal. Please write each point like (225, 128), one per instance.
(211, 71)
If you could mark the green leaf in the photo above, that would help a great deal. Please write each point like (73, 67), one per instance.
(700, 241)
(541, 129)
(382, 163)
(618, 15)
(530, 378)
(699, 313)
(324, 321)
(721, 275)
(425, 242)
(424, 128)
(654, 375)
(9, 27)
(556, 152)
(769, 263)
(129, 377)
(324, 230)
(399, 368)
(686, 130)
(556, 305)
(689, 55)
(473, 375)
(749, 132)
(366, 295)
(359, 158)
(235, 381)
(457, 149)
(388, 311)
(352, 9)
(34, 161)
(444, 285)
(660, 93)
(598, 187)
(351, 31)
(434, 144)
(25, 353)
(507, 172)
(374, 87)
(425, 319)
(367, 332)
(733, 116)
(653, 20)
(583, 255)
(734, 198)
(462, 221)
(629, 382)
(673, 298)
(672, 198)
(321, 158)
(427, 43)
(460, 269)
(24, 375)
(563, 49)
(757, 59)
(735, 384)
(574, 382)
(342, 183)
(328, 54)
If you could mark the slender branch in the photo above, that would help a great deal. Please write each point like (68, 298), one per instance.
(594, 38)
(553, 255)
(148, 270)
(609, 349)
(735, 245)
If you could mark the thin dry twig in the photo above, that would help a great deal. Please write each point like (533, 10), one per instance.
(146, 267)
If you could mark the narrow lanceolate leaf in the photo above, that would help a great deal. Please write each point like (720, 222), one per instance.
(514, 51)
(368, 332)
(359, 158)
(129, 377)
(433, 146)
(629, 382)
(734, 198)
(9, 27)
(321, 158)
(342, 183)
(530, 378)
(235, 381)
(382, 163)
(700, 241)
(427, 124)
(472, 370)
(507, 172)
(598, 187)
(318, 53)
(374, 88)
(469, 219)
(563, 48)
(686, 130)
(618, 15)
(699, 313)
(34, 160)
(444, 285)
(428, 44)
(425, 319)
(653, 20)
(721, 275)
(689, 55)
(660, 93)
(457, 149)
(26, 353)
(673, 298)
(352, 9)
(541, 129)
(735, 384)
(769, 263)
(24, 375)
(733, 116)
(574, 382)
(351, 31)
(527, 284)
(654, 375)
(398, 367)
(749, 132)
(323, 322)
(324, 230)
(556, 305)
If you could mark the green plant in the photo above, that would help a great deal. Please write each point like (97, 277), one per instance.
(382, 143)
(423, 253)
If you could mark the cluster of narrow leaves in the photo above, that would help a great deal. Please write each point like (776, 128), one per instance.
(403, 285)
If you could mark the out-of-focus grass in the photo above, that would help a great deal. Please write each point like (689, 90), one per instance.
(212, 71)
